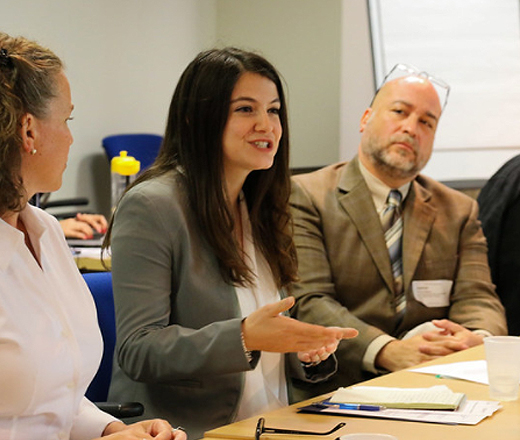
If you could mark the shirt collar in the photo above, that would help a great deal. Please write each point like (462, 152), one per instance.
(36, 228)
(13, 238)
(379, 189)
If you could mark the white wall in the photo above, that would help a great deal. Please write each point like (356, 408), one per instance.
(479, 57)
(323, 50)
(302, 38)
(357, 77)
(123, 59)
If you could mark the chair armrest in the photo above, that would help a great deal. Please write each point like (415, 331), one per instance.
(121, 409)
(77, 201)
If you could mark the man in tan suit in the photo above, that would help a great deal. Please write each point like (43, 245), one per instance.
(440, 298)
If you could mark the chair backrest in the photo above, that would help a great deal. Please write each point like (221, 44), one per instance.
(144, 147)
(100, 285)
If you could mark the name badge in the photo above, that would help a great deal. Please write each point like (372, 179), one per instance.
(432, 293)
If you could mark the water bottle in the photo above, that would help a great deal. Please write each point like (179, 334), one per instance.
(124, 170)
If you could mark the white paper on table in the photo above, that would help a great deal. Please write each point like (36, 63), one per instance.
(474, 371)
(470, 412)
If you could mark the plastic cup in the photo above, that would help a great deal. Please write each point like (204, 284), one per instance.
(503, 366)
(367, 436)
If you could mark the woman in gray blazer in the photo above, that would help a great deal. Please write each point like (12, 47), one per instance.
(202, 255)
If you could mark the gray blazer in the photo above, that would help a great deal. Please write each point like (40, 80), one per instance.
(179, 349)
(344, 266)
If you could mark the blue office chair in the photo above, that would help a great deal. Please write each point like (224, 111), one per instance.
(144, 147)
(100, 285)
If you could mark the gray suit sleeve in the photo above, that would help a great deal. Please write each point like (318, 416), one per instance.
(174, 320)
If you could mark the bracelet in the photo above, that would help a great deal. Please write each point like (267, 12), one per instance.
(249, 355)
(310, 364)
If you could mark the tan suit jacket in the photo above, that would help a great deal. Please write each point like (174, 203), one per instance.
(344, 265)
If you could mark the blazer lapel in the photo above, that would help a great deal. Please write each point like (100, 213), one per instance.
(354, 196)
(418, 221)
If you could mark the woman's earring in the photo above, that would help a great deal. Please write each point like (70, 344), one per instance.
(33, 151)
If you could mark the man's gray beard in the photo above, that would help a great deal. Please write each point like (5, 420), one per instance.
(383, 160)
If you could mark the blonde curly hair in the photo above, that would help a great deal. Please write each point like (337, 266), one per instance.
(28, 74)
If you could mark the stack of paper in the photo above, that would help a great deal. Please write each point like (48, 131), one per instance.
(470, 412)
(436, 397)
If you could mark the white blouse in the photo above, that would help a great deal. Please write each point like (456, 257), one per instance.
(50, 343)
(265, 387)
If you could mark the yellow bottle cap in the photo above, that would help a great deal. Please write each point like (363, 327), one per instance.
(124, 164)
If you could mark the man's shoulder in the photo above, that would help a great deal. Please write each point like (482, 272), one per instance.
(438, 191)
(326, 176)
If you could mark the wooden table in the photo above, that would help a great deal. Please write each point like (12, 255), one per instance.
(89, 259)
(503, 425)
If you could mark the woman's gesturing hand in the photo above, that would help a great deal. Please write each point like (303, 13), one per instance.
(267, 330)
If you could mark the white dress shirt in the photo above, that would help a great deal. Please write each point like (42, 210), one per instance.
(50, 343)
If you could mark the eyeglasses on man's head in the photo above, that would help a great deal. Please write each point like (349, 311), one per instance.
(402, 70)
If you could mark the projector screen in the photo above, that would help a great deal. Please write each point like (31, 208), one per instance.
(473, 45)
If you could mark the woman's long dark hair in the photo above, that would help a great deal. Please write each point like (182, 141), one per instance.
(193, 143)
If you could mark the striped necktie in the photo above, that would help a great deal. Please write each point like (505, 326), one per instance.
(392, 222)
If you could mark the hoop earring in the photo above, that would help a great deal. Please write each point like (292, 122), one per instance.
(33, 152)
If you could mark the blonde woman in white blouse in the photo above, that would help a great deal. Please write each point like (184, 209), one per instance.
(50, 344)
